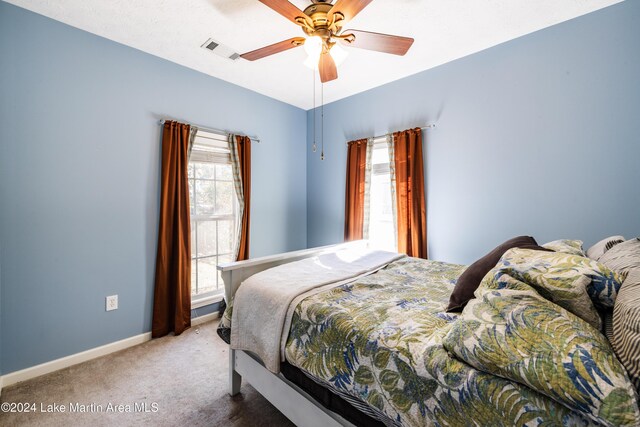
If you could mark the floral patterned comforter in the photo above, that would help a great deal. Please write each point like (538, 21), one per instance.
(379, 340)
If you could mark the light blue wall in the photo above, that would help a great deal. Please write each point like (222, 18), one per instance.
(536, 136)
(0, 309)
(79, 180)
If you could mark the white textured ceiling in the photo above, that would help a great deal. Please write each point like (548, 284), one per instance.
(444, 30)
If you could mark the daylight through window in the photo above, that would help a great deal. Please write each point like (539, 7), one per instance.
(381, 223)
(213, 213)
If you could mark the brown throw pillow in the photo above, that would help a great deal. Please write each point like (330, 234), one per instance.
(469, 281)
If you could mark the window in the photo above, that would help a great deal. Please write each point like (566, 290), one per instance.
(214, 210)
(381, 222)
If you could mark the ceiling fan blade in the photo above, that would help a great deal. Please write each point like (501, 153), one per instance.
(327, 68)
(386, 43)
(349, 8)
(274, 48)
(286, 9)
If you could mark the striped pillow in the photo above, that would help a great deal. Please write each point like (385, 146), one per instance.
(625, 257)
(597, 250)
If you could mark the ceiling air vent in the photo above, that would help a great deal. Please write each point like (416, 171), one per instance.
(220, 50)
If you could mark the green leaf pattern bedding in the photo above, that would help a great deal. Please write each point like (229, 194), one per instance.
(578, 284)
(510, 330)
(386, 340)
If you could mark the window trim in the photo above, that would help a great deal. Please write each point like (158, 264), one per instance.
(211, 148)
(204, 300)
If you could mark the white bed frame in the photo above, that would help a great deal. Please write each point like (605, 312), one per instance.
(290, 399)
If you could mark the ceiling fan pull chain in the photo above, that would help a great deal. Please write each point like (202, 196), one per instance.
(322, 120)
(314, 147)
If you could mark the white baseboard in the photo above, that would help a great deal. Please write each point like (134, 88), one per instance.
(74, 359)
(204, 318)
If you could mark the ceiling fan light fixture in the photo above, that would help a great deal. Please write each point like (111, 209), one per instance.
(312, 62)
(322, 22)
(313, 46)
(338, 54)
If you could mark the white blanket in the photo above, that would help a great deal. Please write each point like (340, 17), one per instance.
(261, 303)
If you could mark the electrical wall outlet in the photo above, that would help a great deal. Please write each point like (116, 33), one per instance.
(112, 302)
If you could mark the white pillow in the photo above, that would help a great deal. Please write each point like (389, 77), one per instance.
(597, 250)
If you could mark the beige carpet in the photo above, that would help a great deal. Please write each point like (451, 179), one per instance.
(185, 376)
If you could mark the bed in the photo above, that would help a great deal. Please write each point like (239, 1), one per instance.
(365, 339)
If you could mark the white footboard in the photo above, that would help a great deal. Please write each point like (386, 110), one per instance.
(292, 401)
(234, 273)
(288, 398)
(235, 380)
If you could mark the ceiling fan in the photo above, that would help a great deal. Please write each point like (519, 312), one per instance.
(322, 22)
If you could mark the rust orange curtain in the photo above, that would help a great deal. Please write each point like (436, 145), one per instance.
(243, 144)
(172, 296)
(410, 196)
(354, 192)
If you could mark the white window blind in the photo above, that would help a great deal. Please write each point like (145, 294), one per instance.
(214, 208)
(210, 147)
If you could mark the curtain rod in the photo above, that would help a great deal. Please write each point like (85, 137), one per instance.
(213, 130)
(431, 126)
